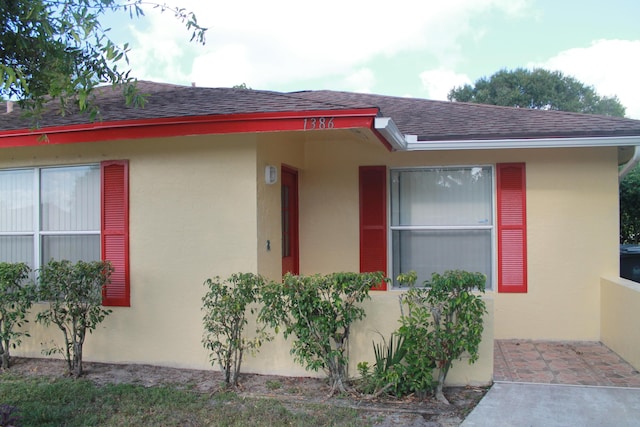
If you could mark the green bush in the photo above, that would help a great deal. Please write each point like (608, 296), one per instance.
(444, 321)
(74, 296)
(225, 306)
(318, 311)
(16, 297)
(438, 325)
(388, 373)
(405, 367)
(416, 329)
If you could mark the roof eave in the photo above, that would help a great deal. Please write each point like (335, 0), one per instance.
(311, 121)
(501, 144)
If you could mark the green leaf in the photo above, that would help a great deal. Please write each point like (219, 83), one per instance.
(74, 296)
(59, 50)
(538, 89)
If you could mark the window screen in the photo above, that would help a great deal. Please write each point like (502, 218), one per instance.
(442, 219)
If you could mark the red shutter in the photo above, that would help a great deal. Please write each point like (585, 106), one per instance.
(114, 235)
(512, 228)
(373, 220)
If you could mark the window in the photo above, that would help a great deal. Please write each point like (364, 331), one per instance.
(50, 213)
(68, 212)
(442, 219)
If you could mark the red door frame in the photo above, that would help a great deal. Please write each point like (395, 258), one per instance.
(290, 221)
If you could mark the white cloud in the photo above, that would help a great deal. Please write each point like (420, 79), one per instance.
(241, 72)
(361, 81)
(439, 82)
(612, 67)
(264, 44)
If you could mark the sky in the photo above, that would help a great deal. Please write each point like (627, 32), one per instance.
(415, 48)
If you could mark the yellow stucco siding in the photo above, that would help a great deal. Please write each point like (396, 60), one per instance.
(572, 228)
(620, 304)
(273, 150)
(200, 207)
(572, 214)
(192, 216)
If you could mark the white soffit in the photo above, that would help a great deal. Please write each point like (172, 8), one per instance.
(388, 129)
(618, 141)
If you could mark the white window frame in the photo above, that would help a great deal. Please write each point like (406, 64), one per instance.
(494, 212)
(37, 232)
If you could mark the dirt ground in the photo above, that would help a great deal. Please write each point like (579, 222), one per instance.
(383, 412)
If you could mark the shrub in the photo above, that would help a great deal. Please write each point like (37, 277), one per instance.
(225, 305)
(444, 321)
(318, 311)
(74, 295)
(16, 297)
(438, 324)
(403, 366)
(416, 330)
(387, 374)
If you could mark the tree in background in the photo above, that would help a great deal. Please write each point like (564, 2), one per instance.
(539, 89)
(552, 90)
(59, 49)
(630, 208)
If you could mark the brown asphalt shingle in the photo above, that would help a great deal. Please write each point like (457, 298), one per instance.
(429, 120)
(443, 120)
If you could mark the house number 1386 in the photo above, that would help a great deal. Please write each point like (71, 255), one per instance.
(318, 123)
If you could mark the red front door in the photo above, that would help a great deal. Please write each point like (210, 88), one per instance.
(289, 200)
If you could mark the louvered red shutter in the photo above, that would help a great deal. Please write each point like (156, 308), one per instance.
(512, 228)
(373, 220)
(115, 230)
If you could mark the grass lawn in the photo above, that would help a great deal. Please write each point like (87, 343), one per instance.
(43, 401)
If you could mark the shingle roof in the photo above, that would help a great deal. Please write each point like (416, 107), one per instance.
(167, 100)
(429, 120)
(443, 120)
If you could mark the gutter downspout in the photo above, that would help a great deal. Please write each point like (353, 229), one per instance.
(635, 159)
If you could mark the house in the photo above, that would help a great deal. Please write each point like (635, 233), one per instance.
(206, 182)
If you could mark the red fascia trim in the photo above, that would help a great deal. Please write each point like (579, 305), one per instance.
(196, 125)
(382, 139)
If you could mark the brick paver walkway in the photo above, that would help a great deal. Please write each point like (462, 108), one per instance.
(561, 362)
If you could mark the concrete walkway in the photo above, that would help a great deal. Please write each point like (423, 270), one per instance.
(542, 383)
(551, 405)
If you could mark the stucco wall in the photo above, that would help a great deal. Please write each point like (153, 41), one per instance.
(200, 208)
(192, 216)
(572, 213)
(620, 304)
(274, 150)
